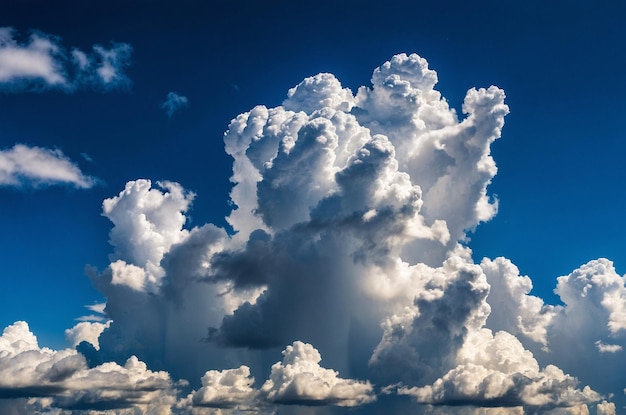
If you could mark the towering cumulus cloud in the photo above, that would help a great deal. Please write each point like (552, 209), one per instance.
(349, 256)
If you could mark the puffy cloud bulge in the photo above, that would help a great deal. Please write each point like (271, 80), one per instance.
(351, 213)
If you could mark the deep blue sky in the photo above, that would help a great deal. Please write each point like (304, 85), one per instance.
(561, 170)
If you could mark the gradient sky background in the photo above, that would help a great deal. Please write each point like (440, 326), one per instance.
(561, 174)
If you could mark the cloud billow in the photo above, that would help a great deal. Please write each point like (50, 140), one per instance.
(351, 213)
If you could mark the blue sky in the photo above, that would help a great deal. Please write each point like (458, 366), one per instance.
(179, 72)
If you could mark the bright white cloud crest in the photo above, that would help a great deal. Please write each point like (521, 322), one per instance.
(350, 211)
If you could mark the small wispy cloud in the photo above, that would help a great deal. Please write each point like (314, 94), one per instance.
(173, 102)
(607, 348)
(41, 62)
(97, 308)
(22, 166)
(99, 317)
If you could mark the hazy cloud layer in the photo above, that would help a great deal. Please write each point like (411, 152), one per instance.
(41, 61)
(351, 213)
(22, 165)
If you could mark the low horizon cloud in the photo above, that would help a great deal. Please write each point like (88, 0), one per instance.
(347, 283)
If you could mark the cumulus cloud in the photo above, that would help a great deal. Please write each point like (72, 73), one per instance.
(43, 62)
(174, 102)
(433, 329)
(297, 380)
(62, 379)
(226, 389)
(146, 223)
(86, 331)
(349, 210)
(350, 222)
(497, 371)
(590, 323)
(513, 308)
(155, 264)
(598, 287)
(606, 408)
(300, 380)
(22, 165)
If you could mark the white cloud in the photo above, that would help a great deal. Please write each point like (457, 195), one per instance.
(606, 408)
(174, 102)
(590, 323)
(596, 286)
(469, 410)
(422, 342)
(22, 165)
(512, 307)
(608, 348)
(155, 265)
(97, 308)
(345, 170)
(146, 223)
(39, 59)
(348, 214)
(99, 315)
(62, 379)
(226, 389)
(300, 380)
(86, 331)
(497, 371)
(43, 62)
